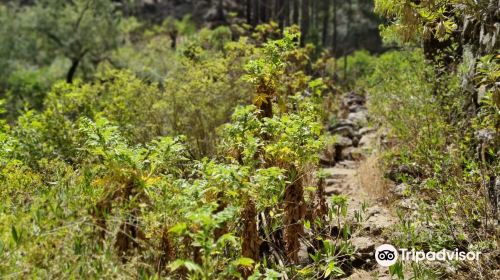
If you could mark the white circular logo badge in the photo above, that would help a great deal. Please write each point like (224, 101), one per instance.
(386, 255)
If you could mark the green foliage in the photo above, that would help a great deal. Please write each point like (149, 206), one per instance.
(101, 183)
(297, 138)
(199, 84)
(201, 96)
(264, 72)
(432, 150)
(412, 20)
(51, 40)
(488, 73)
(405, 100)
(76, 28)
(351, 68)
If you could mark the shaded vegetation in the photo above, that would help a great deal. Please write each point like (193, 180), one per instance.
(135, 146)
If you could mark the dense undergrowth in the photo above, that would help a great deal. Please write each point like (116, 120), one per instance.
(197, 158)
(94, 187)
(431, 152)
(437, 100)
(443, 157)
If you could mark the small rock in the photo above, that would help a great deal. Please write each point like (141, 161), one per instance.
(325, 161)
(346, 131)
(379, 223)
(367, 139)
(346, 153)
(333, 190)
(375, 231)
(348, 164)
(343, 142)
(332, 181)
(450, 270)
(361, 275)
(485, 135)
(400, 190)
(355, 142)
(357, 154)
(360, 118)
(353, 98)
(303, 254)
(395, 172)
(351, 153)
(408, 204)
(327, 157)
(365, 130)
(363, 244)
(374, 210)
(340, 123)
(356, 108)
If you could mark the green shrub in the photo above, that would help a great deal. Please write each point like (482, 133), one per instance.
(431, 148)
(102, 183)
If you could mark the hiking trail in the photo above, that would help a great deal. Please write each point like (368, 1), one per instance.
(352, 170)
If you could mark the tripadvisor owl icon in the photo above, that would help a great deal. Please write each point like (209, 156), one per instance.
(386, 255)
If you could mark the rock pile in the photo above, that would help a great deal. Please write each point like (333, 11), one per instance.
(351, 131)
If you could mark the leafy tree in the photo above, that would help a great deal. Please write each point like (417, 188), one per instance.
(51, 39)
(83, 31)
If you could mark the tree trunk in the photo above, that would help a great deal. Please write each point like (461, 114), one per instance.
(286, 12)
(294, 210)
(278, 12)
(264, 11)
(295, 15)
(167, 251)
(313, 5)
(326, 21)
(72, 70)
(251, 239)
(220, 12)
(249, 12)
(320, 209)
(334, 36)
(173, 39)
(256, 12)
(273, 9)
(305, 21)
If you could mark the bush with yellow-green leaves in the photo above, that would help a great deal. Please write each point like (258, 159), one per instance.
(102, 184)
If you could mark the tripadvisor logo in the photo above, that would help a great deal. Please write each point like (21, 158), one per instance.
(387, 255)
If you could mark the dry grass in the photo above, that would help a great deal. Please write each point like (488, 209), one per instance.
(371, 178)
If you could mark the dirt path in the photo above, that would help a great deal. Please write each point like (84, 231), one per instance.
(356, 174)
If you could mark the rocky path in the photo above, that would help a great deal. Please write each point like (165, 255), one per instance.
(352, 168)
